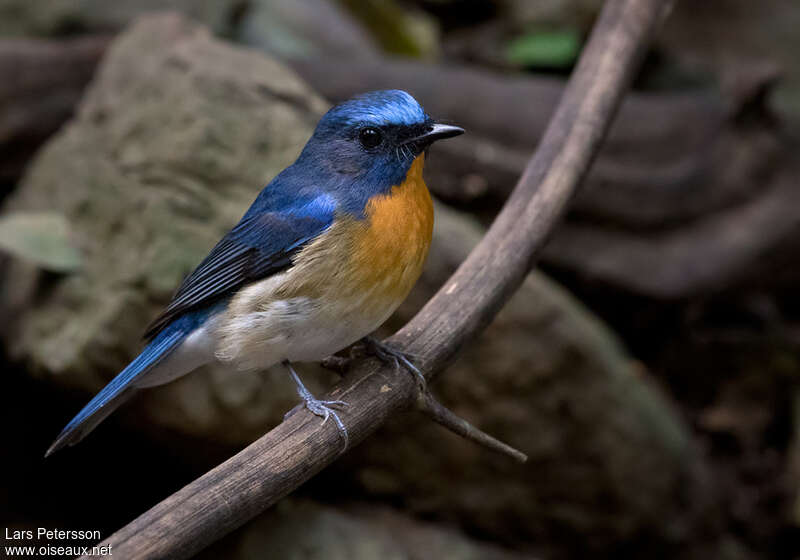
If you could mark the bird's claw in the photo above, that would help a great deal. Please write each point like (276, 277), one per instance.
(390, 355)
(324, 410)
(317, 406)
(313, 406)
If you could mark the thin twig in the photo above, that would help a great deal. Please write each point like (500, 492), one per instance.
(283, 459)
(442, 415)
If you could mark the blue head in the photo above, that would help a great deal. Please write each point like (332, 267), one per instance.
(366, 145)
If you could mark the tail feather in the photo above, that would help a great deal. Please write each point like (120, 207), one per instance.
(119, 390)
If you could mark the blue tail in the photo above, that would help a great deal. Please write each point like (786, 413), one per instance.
(120, 388)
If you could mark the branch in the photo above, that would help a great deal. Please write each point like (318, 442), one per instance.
(442, 415)
(49, 79)
(426, 402)
(283, 459)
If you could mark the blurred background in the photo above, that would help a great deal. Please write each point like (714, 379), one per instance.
(650, 366)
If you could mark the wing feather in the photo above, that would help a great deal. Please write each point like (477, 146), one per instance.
(261, 244)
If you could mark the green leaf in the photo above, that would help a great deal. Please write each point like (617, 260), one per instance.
(40, 237)
(552, 49)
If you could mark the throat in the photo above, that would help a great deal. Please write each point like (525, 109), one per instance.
(394, 244)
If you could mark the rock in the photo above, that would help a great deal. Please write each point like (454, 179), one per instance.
(304, 28)
(174, 138)
(57, 17)
(296, 530)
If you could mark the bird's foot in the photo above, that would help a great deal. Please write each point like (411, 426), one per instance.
(317, 407)
(390, 355)
(323, 409)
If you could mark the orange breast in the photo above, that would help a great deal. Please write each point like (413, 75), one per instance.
(390, 250)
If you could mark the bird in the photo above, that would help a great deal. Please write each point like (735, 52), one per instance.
(324, 255)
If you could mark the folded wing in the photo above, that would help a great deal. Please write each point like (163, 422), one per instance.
(262, 244)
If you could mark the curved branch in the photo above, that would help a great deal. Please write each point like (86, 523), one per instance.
(283, 459)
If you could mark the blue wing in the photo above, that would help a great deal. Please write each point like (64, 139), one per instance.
(262, 244)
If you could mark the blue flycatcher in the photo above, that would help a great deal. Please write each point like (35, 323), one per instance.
(323, 256)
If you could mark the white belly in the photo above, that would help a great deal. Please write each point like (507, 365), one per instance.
(298, 329)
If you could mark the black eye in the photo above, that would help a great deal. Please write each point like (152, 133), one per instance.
(370, 137)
